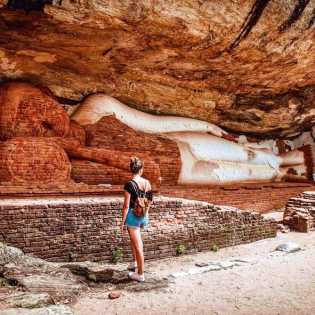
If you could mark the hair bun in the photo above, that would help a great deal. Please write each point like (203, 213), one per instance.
(135, 164)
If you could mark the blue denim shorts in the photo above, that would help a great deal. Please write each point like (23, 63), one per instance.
(136, 222)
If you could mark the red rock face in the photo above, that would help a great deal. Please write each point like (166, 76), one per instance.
(247, 66)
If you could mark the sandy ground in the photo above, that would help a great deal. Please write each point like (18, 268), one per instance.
(275, 285)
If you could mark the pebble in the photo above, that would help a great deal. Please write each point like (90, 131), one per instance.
(114, 295)
(201, 264)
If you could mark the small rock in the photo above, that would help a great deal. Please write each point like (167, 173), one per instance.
(114, 295)
(201, 264)
(289, 247)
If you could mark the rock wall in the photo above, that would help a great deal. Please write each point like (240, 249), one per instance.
(244, 65)
(87, 228)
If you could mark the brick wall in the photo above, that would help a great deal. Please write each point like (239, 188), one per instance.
(110, 133)
(252, 197)
(88, 227)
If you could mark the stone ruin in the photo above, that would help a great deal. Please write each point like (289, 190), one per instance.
(43, 147)
(299, 213)
(140, 72)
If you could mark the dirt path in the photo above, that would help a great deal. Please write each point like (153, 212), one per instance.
(275, 285)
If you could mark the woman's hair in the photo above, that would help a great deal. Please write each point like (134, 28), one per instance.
(135, 165)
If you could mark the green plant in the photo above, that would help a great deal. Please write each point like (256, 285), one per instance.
(117, 255)
(180, 249)
(3, 282)
(215, 248)
(72, 256)
(92, 277)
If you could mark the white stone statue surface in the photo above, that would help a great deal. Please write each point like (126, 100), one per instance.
(206, 156)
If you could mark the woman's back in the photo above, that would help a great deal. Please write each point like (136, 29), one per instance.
(138, 185)
(143, 183)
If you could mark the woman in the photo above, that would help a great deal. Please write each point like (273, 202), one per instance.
(132, 188)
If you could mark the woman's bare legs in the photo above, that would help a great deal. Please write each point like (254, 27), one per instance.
(137, 244)
(134, 252)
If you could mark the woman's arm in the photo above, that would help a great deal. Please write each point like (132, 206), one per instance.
(125, 210)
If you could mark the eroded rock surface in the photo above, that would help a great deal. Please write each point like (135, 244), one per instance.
(45, 283)
(28, 300)
(247, 66)
(98, 272)
(37, 276)
(50, 310)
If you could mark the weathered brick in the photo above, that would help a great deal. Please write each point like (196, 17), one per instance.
(90, 229)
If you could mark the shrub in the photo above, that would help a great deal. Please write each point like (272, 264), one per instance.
(214, 248)
(180, 249)
(117, 255)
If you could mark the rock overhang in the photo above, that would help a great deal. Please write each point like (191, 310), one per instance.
(178, 58)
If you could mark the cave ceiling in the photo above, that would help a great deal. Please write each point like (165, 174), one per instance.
(247, 66)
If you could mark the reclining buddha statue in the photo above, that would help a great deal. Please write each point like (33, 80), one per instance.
(40, 143)
(204, 153)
